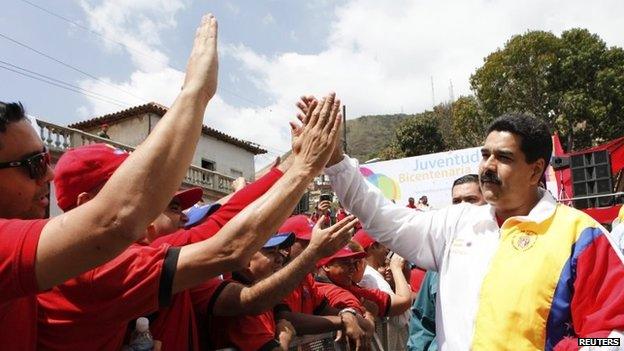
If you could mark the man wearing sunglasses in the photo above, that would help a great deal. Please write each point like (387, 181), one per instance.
(37, 254)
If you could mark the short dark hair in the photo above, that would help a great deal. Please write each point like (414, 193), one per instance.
(536, 141)
(9, 113)
(468, 178)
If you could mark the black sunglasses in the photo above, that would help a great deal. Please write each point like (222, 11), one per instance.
(37, 165)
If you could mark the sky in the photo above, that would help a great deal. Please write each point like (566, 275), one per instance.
(380, 57)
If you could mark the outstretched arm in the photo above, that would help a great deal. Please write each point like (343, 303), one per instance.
(142, 187)
(245, 234)
(237, 299)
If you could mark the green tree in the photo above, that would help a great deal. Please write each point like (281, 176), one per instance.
(574, 83)
(470, 123)
(417, 135)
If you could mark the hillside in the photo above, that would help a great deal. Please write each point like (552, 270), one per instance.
(367, 135)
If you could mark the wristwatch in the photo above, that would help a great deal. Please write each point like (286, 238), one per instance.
(348, 310)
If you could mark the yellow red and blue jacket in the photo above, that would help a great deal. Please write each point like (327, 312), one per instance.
(537, 282)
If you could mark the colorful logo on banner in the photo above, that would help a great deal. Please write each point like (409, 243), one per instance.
(387, 185)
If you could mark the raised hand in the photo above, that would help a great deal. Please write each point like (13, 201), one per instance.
(397, 262)
(329, 240)
(306, 104)
(203, 65)
(318, 137)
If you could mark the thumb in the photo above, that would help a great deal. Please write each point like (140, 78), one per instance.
(277, 162)
(294, 129)
(339, 336)
(319, 222)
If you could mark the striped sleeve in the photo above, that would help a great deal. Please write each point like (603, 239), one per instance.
(597, 303)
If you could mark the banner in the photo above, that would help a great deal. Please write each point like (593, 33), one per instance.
(431, 175)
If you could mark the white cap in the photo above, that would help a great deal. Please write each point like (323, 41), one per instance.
(142, 324)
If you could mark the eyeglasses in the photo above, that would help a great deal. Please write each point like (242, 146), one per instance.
(37, 165)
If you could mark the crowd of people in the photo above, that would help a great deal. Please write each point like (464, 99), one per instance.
(507, 267)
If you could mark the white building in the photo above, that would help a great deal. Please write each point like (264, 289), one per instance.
(216, 151)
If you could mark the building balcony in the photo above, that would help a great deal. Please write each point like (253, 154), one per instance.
(58, 139)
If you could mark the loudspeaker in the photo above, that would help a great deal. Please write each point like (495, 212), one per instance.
(591, 175)
(559, 162)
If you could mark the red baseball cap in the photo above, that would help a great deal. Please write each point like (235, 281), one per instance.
(345, 252)
(189, 197)
(362, 238)
(82, 169)
(301, 225)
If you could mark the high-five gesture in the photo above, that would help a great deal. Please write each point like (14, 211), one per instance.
(314, 142)
(306, 105)
(203, 65)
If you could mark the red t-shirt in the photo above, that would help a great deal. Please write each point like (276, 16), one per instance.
(380, 298)
(306, 298)
(175, 326)
(338, 297)
(92, 311)
(246, 333)
(18, 284)
(213, 223)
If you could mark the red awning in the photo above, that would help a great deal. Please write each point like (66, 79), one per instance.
(603, 214)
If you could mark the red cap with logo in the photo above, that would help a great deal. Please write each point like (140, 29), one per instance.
(84, 168)
(301, 225)
(345, 252)
(362, 238)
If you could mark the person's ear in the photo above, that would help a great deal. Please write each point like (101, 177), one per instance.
(538, 168)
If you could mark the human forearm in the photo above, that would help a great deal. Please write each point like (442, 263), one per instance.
(402, 299)
(417, 236)
(265, 294)
(311, 324)
(232, 247)
(140, 189)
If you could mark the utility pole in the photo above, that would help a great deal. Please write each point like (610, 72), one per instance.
(432, 94)
(451, 94)
(344, 128)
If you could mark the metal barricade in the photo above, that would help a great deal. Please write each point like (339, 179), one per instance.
(317, 342)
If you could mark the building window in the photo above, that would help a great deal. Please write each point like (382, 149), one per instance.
(236, 173)
(209, 165)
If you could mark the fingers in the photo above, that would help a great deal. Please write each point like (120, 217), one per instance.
(343, 222)
(319, 223)
(295, 130)
(277, 162)
(324, 116)
(335, 110)
(333, 134)
(358, 344)
(313, 113)
(338, 336)
(344, 231)
(208, 28)
(306, 105)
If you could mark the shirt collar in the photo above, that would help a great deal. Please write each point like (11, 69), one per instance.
(543, 210)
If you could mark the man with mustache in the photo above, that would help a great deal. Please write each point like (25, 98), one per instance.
(522, 272)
